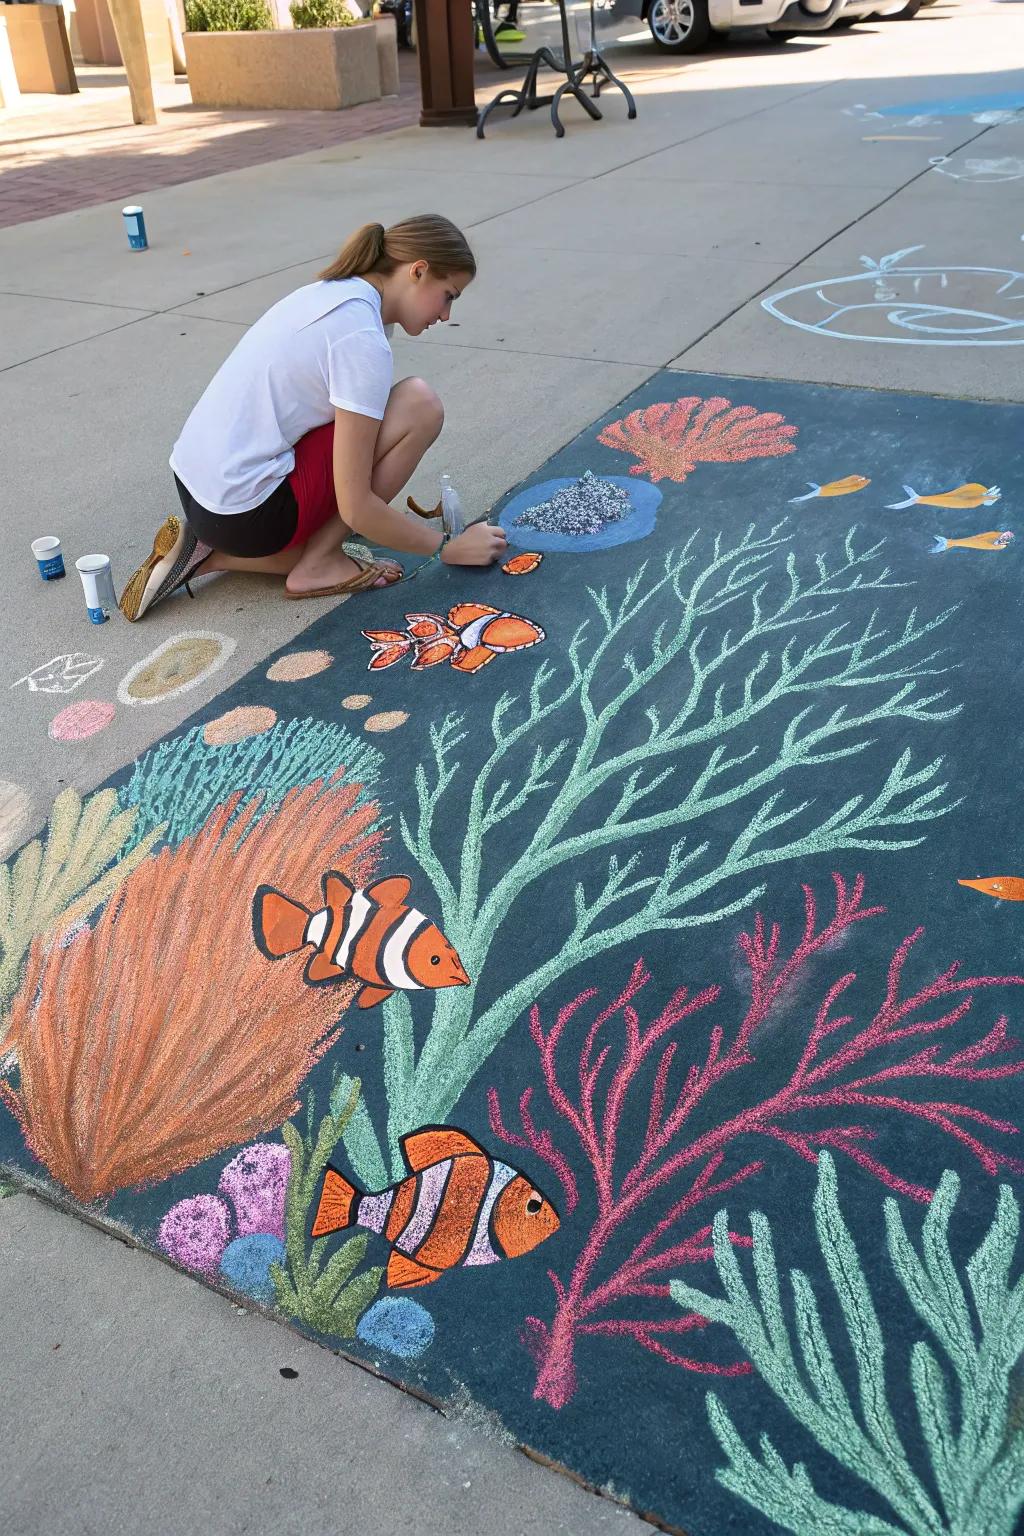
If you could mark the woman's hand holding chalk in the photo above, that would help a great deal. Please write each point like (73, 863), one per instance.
(480, 543)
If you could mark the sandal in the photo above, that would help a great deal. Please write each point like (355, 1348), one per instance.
(172, 562)
(365, 578)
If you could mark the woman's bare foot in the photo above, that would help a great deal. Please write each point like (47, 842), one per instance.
(330, 570)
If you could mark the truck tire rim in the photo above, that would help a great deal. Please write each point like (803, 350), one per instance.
(672, 20)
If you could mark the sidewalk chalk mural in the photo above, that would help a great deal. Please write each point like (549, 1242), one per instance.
(491, 1029)
(901, 303)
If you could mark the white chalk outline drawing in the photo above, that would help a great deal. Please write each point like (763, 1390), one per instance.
(908, 315)
(61, 674)
(227, 647)
(983, 173)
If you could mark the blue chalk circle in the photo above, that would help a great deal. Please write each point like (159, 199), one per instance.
(246, 1264)
(644, 498)
(397, 1325)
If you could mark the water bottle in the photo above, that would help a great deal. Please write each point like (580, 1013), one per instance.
(451, 508)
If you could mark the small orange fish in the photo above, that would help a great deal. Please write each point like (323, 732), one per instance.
(1002, 887)
(522, 565)
(471, 636)
(992, 540)
(372, 936)
(960, 500)
(457, 1206)
(834, 488)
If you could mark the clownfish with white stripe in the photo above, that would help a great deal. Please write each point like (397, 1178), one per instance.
(372, 936)
(457, 1206)
(469, 638)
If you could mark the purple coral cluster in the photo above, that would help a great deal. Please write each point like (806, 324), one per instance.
(240, 1236)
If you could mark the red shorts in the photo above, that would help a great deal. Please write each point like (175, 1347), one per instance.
(312, 483)
(289, 515)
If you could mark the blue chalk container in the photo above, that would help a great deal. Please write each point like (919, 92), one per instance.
(135, 225)
(49, 558)
(98, 583)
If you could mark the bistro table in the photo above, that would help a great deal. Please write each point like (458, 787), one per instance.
(592, 69)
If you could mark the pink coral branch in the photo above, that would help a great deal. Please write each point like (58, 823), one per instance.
(675, 1173)
(538, 1142)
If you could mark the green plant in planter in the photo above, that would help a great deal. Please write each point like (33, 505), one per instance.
(228, 16)
(322, 13)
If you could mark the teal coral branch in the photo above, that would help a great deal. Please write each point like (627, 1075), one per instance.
(180, 781)
(975, 1450)
(594, 789)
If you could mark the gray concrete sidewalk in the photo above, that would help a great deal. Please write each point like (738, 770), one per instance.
(624, 248)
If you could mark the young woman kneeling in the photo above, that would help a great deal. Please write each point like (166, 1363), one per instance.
(301, 439)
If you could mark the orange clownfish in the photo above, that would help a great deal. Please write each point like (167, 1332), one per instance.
(371, 936)
(522, 565)
(471, 636)
(1002, 887)
(458, 1206)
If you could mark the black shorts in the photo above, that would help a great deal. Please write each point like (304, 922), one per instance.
(265, 530)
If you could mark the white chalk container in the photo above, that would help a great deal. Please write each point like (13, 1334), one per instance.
(98, 582)
(49, 557)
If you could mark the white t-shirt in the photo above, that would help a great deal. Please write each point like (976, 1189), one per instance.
(321, 347)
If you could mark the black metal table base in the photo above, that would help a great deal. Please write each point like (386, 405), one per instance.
(591, 70)
(594, 66)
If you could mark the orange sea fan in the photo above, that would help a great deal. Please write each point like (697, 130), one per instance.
(162, 1035)
(672, 438)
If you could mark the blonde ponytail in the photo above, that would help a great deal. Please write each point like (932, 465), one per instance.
(427, 237)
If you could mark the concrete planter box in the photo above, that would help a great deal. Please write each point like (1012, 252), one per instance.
(9, 89)
(40, 49)
(320, 68)
(387, 54)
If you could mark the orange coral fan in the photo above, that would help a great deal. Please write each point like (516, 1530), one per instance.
(160, 1037)
(671, 439)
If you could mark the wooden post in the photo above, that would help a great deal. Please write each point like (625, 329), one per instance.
(137, 44)
(444, 43)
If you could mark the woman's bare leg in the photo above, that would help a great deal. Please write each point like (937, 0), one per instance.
(412, 421)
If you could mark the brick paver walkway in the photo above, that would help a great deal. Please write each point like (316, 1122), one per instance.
(60, 153)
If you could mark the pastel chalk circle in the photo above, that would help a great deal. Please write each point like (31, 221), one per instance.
(81, 720)
(182, 662)
(49, 557)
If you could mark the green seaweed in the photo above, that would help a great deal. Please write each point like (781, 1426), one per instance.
(974, 1446)
(64, 875)
(658, 686)
(330, 1297)
(180, 781)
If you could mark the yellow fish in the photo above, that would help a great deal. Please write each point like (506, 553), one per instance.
(834, 488)
(962, 499)
(992, 540)
(1002, 887)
